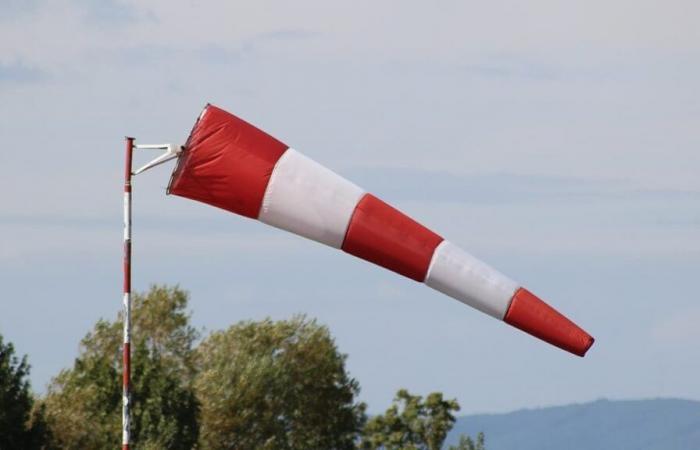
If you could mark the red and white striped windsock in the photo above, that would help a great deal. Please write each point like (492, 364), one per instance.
(231, 164)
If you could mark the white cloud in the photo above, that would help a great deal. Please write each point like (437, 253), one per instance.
(447, 31)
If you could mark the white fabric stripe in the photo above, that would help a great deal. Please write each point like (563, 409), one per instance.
(308, 199)
(460, 275)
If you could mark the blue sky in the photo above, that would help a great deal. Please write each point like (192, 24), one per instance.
(558, 142)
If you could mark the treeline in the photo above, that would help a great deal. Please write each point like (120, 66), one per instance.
(257, 385)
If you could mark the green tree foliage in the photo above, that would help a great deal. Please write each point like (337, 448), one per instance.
(414, 423)
(22, 424)
(83, 403)
(276, 385)
(466, 443)
(257, 385)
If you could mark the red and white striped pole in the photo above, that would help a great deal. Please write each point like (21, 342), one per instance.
(126, 350)
(171, 152)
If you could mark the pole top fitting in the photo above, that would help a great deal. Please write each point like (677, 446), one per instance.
(171, 152)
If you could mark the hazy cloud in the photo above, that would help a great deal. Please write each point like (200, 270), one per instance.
(18, 72)
(287, 35)
(108, 11)
(433, 186)
(679, 328)
(14, 9)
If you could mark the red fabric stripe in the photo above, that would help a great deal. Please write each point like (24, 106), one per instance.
(227, 162)
(530, 314)
(385, 236)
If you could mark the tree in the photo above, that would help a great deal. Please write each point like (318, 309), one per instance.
(412, 423)
(260, 385)
(22, 423)
(83, 403)
(466, 443)
(276, 385)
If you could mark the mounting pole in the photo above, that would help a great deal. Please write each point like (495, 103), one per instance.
(171, 152)
(126, 350)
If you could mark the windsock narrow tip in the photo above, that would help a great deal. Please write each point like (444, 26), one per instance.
(533, 316)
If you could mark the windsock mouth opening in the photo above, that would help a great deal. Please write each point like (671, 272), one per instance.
(182, 156)
(530, 314)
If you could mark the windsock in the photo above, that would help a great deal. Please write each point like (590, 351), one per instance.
(229, 163)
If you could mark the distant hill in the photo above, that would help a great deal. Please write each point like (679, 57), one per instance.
(662, 424)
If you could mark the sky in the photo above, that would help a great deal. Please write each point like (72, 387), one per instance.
(558, 141)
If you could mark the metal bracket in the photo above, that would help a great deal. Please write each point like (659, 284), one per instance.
(171, 152)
